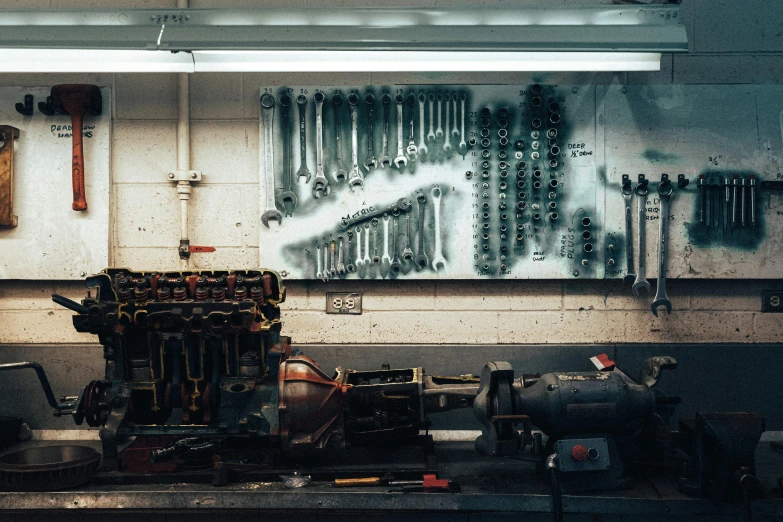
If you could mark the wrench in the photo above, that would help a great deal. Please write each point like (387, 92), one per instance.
(303, 171)
(340, 174)
(267, 118)
(370, 163)
(340, 264)
(349, 266)
(357, 178)
(385, 258)
(359, 260)
(385, 160)
(412, 150)
(400, 161)
(627, 190)
(333, 270)
(454, 130)
(407, 253)
(375, 257)
(395, 267)
(447, 142)
(321, 184)
(463, 146)
(439, 129)
(326, 263)
(641, 279)
(422, 145)
(437, 260)
(421, 258)
(665, 190)
(431, 133)
(287, 199)
(318, 270)
(367, 260)
(402, 204)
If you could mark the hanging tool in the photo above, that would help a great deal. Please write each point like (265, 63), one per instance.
(77, 100)
(320, 183)
(267, 119)
(726, 184)
(339, 174)
(743, 199)
(734, 201)
(7, 135)
(627, 190)
(370, 163)
(287, 199)
(752, 190)
(641, 202)
(665, 190)
(303, 171)
(357, 178)
(702, 184)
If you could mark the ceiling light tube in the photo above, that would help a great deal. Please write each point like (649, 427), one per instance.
(93, 61)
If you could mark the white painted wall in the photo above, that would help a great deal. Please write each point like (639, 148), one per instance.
(731, 42)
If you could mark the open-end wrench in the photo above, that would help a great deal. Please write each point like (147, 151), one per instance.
(407, 251)
(454, 129)
(396, 266)
(386, 258)
(333, 266)
(349, 266)
(447, 142)
(357, 178)
(340, 174)
(340, 264)
(400, 161)
(422, 144)
(385, 160)
(370, 163)
(726, 204)
(431, 133)
(367, 259)
(326, 263)
(359, 260)
(287, 199)
(321, 183)
(412, 149)
(303, 171)
(438, 261)
(421, 259)
(267, 119)
(627, 190)
(376, 258)
(463, 145)
(641, 241)
(439, 128)
(318, 269)
(401, 204)
(665, 190)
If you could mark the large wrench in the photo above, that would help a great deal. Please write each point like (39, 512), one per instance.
(431, 133)
(303, 171)
(665, 190)
(376, 258)
(318, 269)
(641, 278)
(340, 174)
(407, 252)
(395, 267)
(340, 264)
(325, 275)
(400, 161)
(627, 190)
(370, 163)
(287, 199)
(386, 258)
(321, 184)
(463, 146)
(447, 142)
(421, 259)
(438, 261)
(454, 129)
(359, 260)
(357, 178)
(412, 150)
(422, 145)
(385, 160)
(439, 129)
(333, 270)
(367, 259)
(349, 266)
(267, 119)
(402, 204)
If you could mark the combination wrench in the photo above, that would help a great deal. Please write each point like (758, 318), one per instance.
(401, 204)
(396, 266)
(421, 260)
(359, 260)
(370, 163)
(431, 133)
(357, 178)
(376, 258)
(349, 266)
(422, 145)
(447, 142)
(386, 258)
(333, 269)
(340, 264)
(641, 202)
(439, 129)
(367, 260)
(325, 277)
(407, 252)
(627, 190)
(412, 150)
(318, 269)
(340, 174)
(400, 161)
(454, 129)
(463, 146)
(665, 190)
(287, 199)
(303, 171)
(267, 119)
(320, 184)
(438, 261)
(385, 160)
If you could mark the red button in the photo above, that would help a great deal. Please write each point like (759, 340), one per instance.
(579, 452)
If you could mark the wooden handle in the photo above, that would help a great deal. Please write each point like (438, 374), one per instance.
(79, 200)
(351, 482)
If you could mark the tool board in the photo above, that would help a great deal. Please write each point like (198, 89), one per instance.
(52, 241)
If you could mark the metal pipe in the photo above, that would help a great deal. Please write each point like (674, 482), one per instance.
(44, 382)
(184, 188)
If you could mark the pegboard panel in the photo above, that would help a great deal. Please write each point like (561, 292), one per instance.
(52, 241)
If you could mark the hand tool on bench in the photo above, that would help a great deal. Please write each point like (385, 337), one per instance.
(7, 135)
(77, 100)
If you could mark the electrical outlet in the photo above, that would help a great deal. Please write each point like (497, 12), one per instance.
(772, 301)
(344, 303)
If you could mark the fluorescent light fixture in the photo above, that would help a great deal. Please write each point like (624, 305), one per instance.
(93, 61)
(420, 61)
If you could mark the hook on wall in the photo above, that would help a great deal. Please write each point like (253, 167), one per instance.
(46, 107)
(25, 108)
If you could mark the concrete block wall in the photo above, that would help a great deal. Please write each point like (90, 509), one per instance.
(731, 42)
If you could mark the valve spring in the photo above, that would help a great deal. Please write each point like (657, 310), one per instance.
(140, 293)
(180, 293)
(164, 292)
(219, 293)
(257, 293)
(202, 293)
(240, 293)
(126, 294)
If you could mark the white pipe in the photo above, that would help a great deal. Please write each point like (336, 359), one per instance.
(183, 147)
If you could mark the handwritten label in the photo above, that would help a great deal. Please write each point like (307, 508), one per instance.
(64, 131)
